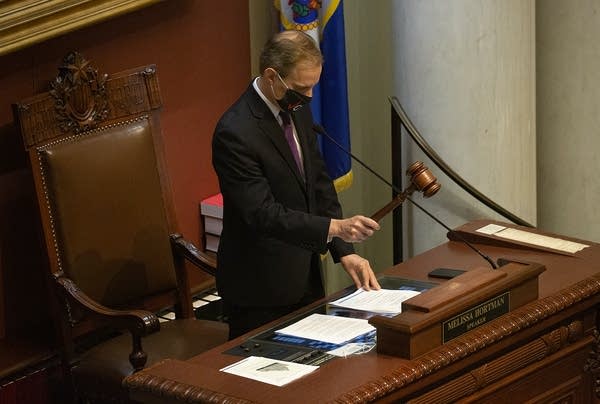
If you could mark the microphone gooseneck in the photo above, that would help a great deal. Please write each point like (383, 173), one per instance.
(458, 235)
(320, 130)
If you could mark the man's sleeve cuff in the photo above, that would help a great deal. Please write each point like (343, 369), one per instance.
(339, 248)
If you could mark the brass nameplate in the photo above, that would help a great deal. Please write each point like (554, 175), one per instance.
(475, 316)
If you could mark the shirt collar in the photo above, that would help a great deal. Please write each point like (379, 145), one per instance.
(275, 109)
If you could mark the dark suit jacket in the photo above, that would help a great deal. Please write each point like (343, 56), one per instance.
(275, 224)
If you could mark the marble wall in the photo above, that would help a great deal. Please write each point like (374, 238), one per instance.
(568, 117)
(465, 73)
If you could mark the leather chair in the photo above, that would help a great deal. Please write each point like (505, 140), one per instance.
(94, 144)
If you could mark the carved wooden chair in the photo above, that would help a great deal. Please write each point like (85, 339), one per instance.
(95, 148)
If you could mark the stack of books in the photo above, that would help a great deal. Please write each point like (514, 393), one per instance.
(211, 217)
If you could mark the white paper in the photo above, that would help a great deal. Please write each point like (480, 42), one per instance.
(199, 303)
(332, 329)
(532, 238)
(211, 298)
(541, 240)
(169, 316)
(490, 229)
(271, 371)
(384, 301)
(352, 348)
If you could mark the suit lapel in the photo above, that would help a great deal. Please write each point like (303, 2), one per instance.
(302, 139)
(304, 122)
(277, 137)
(269, 125)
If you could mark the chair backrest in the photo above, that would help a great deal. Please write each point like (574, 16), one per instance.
(95, 148)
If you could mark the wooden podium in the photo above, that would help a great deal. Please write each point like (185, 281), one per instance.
(464, 303)
(545, 348)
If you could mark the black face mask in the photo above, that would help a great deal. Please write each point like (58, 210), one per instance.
(292, 100)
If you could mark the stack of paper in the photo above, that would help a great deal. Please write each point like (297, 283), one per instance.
(383, 301)
(330, 329)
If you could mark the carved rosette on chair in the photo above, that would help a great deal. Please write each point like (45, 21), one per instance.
(95, 148)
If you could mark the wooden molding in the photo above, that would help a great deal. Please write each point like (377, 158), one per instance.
(592, 365)
(172, 390)
(573, 333)
(27, 22)
(467, 344)
(504, 366)
(99, 98)
(446, 311)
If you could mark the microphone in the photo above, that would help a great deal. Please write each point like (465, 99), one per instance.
(320, 130)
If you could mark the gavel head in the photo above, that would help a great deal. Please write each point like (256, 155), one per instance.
(423, 179)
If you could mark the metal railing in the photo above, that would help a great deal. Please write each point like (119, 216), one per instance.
(401, 120)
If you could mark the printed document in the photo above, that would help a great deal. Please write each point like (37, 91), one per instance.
(383, 301)
(270, 371)
(331, 329)
(532, 238)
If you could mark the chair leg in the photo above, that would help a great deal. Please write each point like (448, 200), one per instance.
(71, 395)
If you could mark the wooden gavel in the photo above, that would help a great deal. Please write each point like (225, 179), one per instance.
(421, 180)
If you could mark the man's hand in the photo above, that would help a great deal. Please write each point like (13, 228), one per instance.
(353, 230)
(360, 271)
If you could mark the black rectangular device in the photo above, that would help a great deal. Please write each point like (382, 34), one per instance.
(445, 273)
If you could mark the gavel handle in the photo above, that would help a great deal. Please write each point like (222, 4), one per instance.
(393, 204)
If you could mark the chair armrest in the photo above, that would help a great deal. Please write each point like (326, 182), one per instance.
(139, 323)
(190, 252)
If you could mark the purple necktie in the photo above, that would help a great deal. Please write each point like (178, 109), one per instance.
(289, 136)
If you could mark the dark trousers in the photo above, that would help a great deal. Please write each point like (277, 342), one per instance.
(243, 319)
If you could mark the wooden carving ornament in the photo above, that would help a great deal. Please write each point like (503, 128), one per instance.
(79, 94)
(593, 363)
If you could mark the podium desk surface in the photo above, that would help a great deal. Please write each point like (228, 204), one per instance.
(552, 334)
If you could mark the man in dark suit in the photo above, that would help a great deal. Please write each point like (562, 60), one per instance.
(280, 207)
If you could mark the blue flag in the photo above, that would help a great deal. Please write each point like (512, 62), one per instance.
(324, 21)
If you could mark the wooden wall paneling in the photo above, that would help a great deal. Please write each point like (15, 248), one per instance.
(202, 54)
(23, 289)
(201, 49)
(2, 295)
(539, 370)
